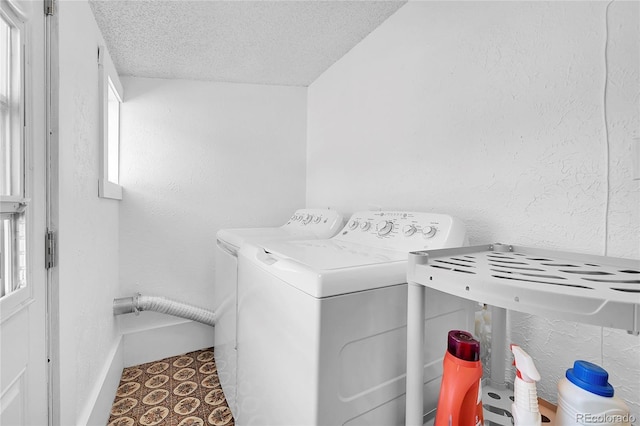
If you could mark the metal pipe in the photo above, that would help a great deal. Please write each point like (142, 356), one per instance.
(124, 305)
(138, 303)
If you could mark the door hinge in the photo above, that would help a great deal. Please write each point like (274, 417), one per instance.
(49, 7)
(50, 250)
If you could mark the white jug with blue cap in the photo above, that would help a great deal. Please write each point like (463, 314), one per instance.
(585, 397)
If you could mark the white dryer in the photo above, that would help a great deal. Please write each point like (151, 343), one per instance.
(322, 323)
(304, 224)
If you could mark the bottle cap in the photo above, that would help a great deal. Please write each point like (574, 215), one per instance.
(590, 377)
(461, 344)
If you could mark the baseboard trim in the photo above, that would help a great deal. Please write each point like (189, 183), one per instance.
(139, 347)
(152, 344)
(99, 406)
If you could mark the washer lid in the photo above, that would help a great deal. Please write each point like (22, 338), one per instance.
(324, 268)
(324, 255)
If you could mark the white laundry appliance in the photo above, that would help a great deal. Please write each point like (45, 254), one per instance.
(304, 224)
(322, 323)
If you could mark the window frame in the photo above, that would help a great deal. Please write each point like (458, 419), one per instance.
(109, 82)
(14, 205)
(18, 204)
(14, 105)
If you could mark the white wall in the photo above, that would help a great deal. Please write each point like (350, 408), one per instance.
(493, 112)
(197, 157)
(88, 225)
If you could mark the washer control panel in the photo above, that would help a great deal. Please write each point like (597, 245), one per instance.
(406, 231)
(324, 223)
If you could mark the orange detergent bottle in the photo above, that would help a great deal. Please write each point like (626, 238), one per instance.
(460, 402)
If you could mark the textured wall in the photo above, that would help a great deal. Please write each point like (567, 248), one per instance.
(88, 227)
(197, 157)
(616, 351)
(494, 112)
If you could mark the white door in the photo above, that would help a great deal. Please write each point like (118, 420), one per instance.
(23, 342)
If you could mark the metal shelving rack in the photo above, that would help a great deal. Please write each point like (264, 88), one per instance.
(599, 290)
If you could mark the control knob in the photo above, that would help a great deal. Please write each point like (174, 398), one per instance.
(428, 231)
(353, 224)
(365, 225)
(306, 219)
(408, 230)
(316, 219)
(384, 227)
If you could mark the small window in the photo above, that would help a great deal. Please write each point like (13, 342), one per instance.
(110, 100)
(13, 201)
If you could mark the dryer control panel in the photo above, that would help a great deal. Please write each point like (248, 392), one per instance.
(404, 231)
(324, 223)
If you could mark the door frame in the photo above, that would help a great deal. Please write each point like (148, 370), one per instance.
(30, 305)
(52, 197)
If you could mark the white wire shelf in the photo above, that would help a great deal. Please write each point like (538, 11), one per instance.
(603, 291)
(497, 408)
(599, 290)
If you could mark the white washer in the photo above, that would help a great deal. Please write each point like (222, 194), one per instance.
(304, 224)
(322, 323)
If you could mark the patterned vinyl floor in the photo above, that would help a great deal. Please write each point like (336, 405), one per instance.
(183, 390)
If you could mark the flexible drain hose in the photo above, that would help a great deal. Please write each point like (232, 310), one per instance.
(128, 305)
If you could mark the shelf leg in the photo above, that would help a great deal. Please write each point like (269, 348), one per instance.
(415, 355)
(498, 347)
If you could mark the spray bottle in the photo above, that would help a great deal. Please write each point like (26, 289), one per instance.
(460, 401)
(525, 406)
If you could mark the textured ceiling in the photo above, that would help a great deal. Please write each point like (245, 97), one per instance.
(264, 42)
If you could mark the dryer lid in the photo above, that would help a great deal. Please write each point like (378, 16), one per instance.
(237, 237)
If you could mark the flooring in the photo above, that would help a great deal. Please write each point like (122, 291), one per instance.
(183, 390)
